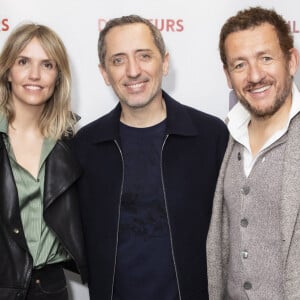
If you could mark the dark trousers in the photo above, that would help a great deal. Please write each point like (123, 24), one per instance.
(48, 283)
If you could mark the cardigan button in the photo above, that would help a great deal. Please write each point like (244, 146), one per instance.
(239, 156)
(245, 254)
(244, 222)
(245, 190)
(247, 285)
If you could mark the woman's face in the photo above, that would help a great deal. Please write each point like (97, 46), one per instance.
(33, 76)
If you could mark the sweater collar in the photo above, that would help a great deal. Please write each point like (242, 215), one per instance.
(178, 122)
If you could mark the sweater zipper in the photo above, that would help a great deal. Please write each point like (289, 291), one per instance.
(168, 218)
(118, 225)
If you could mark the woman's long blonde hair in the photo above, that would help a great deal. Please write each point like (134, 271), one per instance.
(56, 120)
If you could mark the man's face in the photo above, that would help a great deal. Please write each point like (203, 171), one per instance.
(258, 71)
(133, 65)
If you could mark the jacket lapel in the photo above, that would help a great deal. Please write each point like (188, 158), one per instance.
(62, 170)
(217, 245)
(289, 206)
(9, 204)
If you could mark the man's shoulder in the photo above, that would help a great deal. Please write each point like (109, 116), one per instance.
(186, 119)
(201, 118)
(105, 122)
(93, 125)
(195, 114)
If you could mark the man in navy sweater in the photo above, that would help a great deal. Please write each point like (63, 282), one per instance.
(150, 169)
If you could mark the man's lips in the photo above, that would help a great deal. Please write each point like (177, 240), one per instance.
(135, 85)
(260, 89)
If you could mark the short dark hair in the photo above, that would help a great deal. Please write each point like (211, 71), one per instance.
(125, 20)
(252, 17)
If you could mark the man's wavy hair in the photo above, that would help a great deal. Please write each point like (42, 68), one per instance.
(253, 17)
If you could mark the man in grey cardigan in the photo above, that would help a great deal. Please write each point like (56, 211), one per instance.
(253, 245)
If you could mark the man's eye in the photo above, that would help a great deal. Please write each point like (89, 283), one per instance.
(145, 56)
(267, 59)
(117, 61)
(239, 66)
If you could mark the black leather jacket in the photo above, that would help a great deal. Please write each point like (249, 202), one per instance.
(60, 213)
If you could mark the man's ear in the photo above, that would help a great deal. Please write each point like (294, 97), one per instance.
(227, 77)
(166, 64)
(104, 74)
(294, 61)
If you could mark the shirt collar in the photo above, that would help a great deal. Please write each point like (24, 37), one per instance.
(48, 143)
(238, 118)
(3, 123)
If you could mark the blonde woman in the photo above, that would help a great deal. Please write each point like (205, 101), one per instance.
(40, 229)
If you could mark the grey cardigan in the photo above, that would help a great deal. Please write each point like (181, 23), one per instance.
(218, 239)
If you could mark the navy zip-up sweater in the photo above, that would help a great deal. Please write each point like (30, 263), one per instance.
(191, 158)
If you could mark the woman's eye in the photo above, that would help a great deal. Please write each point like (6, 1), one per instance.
(48, 65)
(22, 61)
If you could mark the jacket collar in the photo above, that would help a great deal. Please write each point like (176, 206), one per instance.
(9, 205)
(178, 122)
(61, 172)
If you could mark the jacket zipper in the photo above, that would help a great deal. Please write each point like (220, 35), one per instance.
(119, 209)
(168, 218)
(167, 212)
